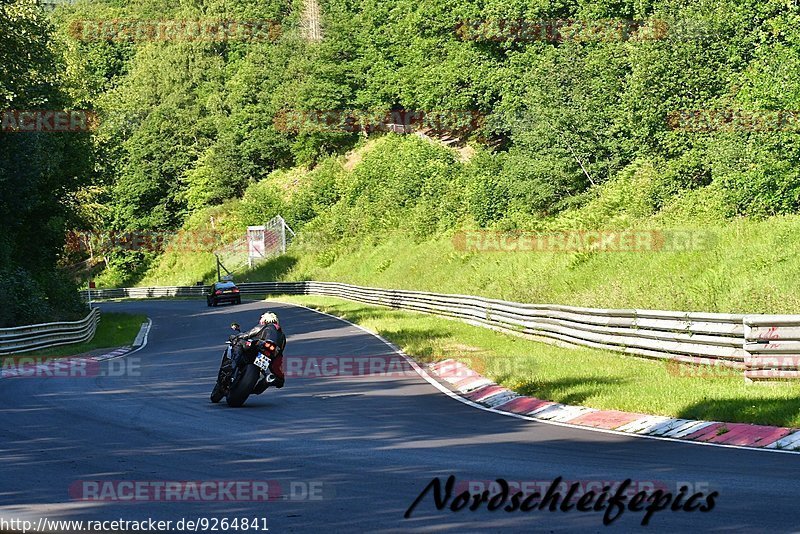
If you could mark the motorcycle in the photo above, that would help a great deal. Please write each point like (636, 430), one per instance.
(252, 375)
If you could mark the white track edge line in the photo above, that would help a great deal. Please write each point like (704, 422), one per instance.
(140, 347)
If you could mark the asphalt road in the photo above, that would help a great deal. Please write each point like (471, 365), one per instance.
(363, 448)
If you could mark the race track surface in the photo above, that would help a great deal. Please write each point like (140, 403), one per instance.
(367, 446)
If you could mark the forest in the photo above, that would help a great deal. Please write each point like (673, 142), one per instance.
(565, 114)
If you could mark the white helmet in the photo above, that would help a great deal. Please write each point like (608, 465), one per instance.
(268, 318)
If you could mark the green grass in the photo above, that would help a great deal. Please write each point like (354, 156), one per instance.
(114, 330)
(181, 269)
(748, 267)
(587, 377)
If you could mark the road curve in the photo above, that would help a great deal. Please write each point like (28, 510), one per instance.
(370, 443)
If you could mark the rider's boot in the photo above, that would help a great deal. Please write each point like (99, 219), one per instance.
(276, 366)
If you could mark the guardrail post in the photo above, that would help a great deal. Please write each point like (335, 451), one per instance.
(748, 357)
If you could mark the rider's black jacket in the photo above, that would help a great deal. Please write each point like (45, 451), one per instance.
(268, 332)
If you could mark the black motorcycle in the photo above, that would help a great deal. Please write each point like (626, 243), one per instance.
(252, 375)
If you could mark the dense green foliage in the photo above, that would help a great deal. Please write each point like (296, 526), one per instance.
(188, 125)
(40, 173)
(188, 128)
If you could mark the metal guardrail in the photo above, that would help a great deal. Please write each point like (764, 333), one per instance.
(147, 292)
(772, 343)
(763, 347)
(41, 336)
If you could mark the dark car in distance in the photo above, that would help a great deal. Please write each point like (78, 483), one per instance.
(223, 292)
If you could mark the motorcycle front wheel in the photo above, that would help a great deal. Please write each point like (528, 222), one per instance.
(217, 394)
(219, 390)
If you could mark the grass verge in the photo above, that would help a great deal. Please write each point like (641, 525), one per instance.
(114, 330)
(746, 267)
(587, 377)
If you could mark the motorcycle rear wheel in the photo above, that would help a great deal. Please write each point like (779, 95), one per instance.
(243, 386)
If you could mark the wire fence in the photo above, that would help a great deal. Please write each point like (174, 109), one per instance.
(259, 244)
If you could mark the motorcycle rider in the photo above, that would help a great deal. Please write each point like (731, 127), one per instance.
(267, 332)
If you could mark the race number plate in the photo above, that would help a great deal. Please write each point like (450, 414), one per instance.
(263, 362)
